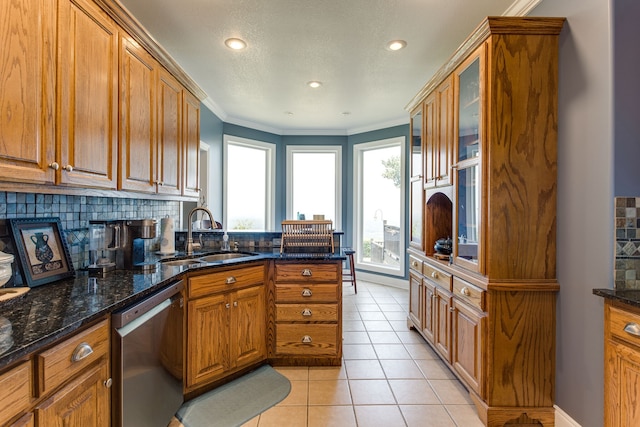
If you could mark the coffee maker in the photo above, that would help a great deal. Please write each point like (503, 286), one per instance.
(124, 242)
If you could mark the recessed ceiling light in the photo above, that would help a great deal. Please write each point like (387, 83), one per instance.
(346, 113)
(235, 44)
(289, 113)
(314, 84)
(396, 44)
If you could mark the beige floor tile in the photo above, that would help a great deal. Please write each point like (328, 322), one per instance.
(386, 308)
(329, 392)
(372, 315)
(350, 315)
(383, 337)
(298, 395)
(391, 351)
(371, 392)
(410, 336)
(401, 369)
(421, 351)
(353, 325)
(175, 423)
(413, 392)
(396, 315)
(367, 306)
(387, 299)
(351, 337)
(378, 416)
(364, 369)
(377, 325)
(358, 351)
(294, 373)
(450, 392)
(426, 415)
(399, 325)
(327, 373)
(331, 416)
(284, 416)
(464, 415)
(434, 369)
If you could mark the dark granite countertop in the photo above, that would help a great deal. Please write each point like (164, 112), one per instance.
(627, 296)
(50, 312)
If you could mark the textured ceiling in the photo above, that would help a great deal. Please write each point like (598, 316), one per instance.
(290, 42)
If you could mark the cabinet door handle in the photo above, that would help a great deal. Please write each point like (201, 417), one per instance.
(465, 291)
(632, 329)
(434, 274)
(108, 383)
(55, 166)
(451, 309)
(306, 292)
(306, 339)
(68, 168)
(306, 312)
(227, 305)
(83, 350)
(306, 272)
(231, 280)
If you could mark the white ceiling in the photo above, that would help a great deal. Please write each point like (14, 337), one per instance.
(290, 42)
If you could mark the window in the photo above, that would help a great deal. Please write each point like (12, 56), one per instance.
(249, 182)
(314, 182)
(379, 193)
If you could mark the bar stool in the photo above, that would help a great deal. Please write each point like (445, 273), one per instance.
(351, 277)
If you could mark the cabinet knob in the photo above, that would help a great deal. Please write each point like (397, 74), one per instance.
(414, 264)
(465, 291)
(306, 272)
(632, 329)
(434, 274)
(227, 305)
(306, 292)
(55, 166)
(306, 339)
(108, 382)
(451, 309)
(230, 280)
(82, 351)
(306, 312)
(235, 303)
(68, 168)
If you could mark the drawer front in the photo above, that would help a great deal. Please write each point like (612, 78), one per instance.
(222, 281)
(619, 320)
(311, 339)
(302, 273)
(306, 313)
(469, 293)
(307, 293)
(60, 363)
(415, 264)
(15, 390)
(437, 276)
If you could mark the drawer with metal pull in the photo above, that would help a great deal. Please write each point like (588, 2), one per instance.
(63, 361)
(306, 312)
(624, 325)
(307, 293)
(470, 293)
(307, 339)
(415, 264)
(221, 281)
(306, 272)
(436, 275)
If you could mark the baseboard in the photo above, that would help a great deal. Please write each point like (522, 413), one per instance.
(563, 419)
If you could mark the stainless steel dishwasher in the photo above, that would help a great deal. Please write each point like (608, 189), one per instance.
(147, 359)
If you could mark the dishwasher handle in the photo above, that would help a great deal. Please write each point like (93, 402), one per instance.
(129, 314)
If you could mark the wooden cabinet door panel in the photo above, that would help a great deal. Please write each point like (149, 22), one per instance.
(27, 90)
(415, 294)
(169, 133)
(137, 118)
(191, 145)
(430, 310)
(83, 402)
(442, 324)
(445, 132)
(430, 140)
(208, 339)
(248, 325)
(88, 98)
(466, 357)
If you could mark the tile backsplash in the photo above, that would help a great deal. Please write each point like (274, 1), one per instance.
(627, 247)
(75, 212)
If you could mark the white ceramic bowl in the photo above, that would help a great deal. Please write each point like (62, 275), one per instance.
(5, 267)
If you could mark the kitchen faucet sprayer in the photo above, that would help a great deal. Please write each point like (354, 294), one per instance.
(190, 245)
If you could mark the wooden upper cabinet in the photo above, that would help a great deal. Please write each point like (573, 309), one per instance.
(191, 141)
(445, 143)
(27, 90)
(169, 172)
(138, 69)
(88, 96)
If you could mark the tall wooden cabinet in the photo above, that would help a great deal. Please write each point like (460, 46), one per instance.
(489, 307)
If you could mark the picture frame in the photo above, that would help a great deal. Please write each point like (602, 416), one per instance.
(41, 249)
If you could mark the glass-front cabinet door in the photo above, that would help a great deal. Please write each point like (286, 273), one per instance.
(417, 190)
(468, 170)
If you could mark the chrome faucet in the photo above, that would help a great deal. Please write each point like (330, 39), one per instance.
(190, 244)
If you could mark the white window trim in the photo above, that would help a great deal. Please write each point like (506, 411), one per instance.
(270, 179)
(358, 149)
(335, 149)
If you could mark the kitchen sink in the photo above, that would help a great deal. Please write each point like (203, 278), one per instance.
(223, 256)
(182, 262)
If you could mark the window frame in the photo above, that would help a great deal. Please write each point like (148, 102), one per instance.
(270, 178)
(334, 149)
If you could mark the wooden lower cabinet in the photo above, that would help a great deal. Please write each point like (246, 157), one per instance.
(468, 326)
(226, 329)
(621, 365)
